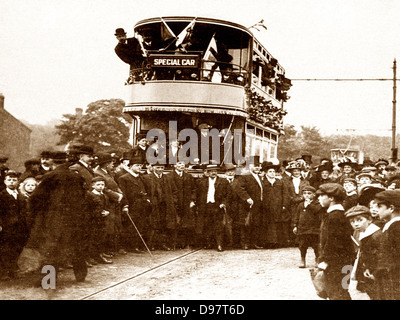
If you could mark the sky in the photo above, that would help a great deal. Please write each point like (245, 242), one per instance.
(58, 55)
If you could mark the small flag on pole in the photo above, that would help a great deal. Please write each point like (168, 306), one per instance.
(185, 33)
(211, 70)
(166, 32)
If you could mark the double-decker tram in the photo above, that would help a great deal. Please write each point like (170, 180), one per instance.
(210, 84)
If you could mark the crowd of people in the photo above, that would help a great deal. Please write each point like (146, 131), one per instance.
(81, 208)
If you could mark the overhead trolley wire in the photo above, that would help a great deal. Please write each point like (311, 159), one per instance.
(327, 79)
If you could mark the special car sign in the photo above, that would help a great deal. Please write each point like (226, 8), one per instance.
(174, 61)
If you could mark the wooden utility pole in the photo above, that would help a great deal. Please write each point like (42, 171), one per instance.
(394, 149)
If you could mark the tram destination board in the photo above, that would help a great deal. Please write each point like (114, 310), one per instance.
(174, 61)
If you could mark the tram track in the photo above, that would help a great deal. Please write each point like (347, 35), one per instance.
(140, 274)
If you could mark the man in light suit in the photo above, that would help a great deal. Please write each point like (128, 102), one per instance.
(211, 192)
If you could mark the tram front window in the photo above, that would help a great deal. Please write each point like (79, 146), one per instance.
(194, 51)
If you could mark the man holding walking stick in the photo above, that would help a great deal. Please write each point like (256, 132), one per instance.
(135, 204)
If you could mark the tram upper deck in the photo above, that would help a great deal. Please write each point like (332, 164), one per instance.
(201, 65)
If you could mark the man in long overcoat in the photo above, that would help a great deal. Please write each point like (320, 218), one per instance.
(84, 168)
(252, 193)
(163, 220)
(185, 205)
(237, 210)
(135, 204)
(60, 222)
(276, 218)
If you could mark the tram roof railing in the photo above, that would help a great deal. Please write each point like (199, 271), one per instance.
(190, 18)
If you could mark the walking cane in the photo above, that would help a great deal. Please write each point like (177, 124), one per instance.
(126, 211)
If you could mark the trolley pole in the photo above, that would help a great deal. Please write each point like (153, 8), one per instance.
(394, 149)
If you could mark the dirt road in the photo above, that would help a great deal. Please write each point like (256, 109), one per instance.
(271, 274)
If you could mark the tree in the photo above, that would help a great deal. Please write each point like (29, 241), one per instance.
(103, 126)
(288, 147)
(294, 144)
(313, 142)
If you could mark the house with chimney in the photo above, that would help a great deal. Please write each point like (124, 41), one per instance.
(15, 139)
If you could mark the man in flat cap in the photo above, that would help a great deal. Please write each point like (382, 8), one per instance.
(60, 225)
(336, 246)
(388, 203)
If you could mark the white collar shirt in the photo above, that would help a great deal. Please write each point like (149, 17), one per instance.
(211, 190)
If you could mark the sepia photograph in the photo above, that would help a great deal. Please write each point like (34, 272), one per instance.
(196, 156)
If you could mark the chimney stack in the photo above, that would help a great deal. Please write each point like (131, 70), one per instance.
(78, 112)
(2, 101)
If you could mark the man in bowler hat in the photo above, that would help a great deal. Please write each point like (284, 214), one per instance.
(129, 51)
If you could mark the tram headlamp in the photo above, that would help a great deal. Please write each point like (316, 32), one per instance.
(194, 75)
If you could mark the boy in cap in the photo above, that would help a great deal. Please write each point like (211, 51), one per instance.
(336, 246)
(104, 169)
(388, 203)
(369, 239)
(363, 179)
(306, 223)
(99, 206)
